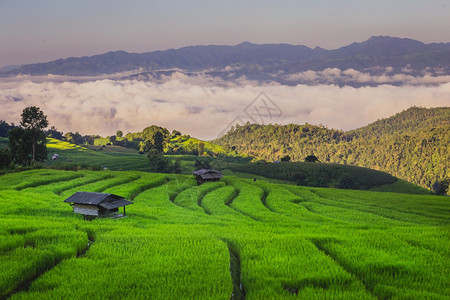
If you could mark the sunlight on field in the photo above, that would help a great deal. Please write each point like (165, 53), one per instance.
(255, 240)
(54, 145)
(74, 157)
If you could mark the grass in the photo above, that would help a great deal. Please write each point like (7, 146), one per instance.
(110, 157)
(116, 158)
(259, 239)
(327, 173)
(264, 238)
(402, 186)
(190, 142)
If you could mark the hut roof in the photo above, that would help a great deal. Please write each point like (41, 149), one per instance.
(108, 201)
(207, 173)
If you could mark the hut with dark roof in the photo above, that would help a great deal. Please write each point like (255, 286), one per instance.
(92, 205)
(206, 175)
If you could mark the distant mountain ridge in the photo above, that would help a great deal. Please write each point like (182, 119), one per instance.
(413, 145)
(261, 62)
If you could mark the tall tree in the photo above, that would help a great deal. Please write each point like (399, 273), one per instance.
(20, 145)
(158, 163)
(158, 141)
(34, 122)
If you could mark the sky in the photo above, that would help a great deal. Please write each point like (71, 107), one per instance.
(45, 30)
(33, 31)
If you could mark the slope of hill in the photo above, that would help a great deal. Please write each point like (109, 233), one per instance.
(219, 240)
(411, 120)
(75, 157)
(72, 156)
(413, 145)
(261, 62)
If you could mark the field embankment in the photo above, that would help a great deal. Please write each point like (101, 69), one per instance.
(180, 240)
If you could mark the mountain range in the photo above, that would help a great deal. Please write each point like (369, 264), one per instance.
(283, 63)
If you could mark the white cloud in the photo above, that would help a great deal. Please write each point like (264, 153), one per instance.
(203, 105)
(336, 76)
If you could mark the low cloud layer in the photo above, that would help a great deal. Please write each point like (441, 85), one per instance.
(204, 106)
(385, 76)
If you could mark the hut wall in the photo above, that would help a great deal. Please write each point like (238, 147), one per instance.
(88, 210)
(106, 212)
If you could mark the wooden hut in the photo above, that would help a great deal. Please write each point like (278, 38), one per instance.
(206, 175)
(92, 205)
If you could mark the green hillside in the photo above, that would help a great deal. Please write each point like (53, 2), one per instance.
(413, 145)
(231, 239)
(110, 157)
(414, 119)
(190, 143)
(73, 157)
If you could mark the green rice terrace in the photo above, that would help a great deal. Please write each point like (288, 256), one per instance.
(231, 239)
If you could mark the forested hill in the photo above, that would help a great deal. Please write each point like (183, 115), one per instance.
(413, 145)
(411, 120)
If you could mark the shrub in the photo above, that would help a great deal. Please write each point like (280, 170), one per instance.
(440, 187)
(347, 181)
(286, 158)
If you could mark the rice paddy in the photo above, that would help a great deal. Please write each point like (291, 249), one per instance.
(231, 239)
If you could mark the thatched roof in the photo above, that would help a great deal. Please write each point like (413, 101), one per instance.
(107, 201)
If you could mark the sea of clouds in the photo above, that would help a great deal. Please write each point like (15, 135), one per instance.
(384, 76)
(204, 106)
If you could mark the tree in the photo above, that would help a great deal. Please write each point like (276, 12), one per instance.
(158, 163)
(74, 138)
(347, 181)
(34, 122)
(20, 145)
(119, 134)
(175, 133)
(440, 187)
(112, 140)
(5, 158)
(286, 158)
(158, 141)
(54, 133)
(201, 148)
(202, 164)
(89, 139)
(311, 158)
(177, 166)
(4, 128)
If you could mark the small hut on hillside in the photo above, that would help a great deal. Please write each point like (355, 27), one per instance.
(205, 175)
(92, 205)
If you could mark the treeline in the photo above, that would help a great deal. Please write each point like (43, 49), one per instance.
(5, 129)
(151, 137)
(318, 174)
(26, 142)
(413, 145)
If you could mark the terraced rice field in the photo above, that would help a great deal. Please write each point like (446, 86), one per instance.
(232, 239)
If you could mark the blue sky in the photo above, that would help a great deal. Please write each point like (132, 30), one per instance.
(44, 30)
